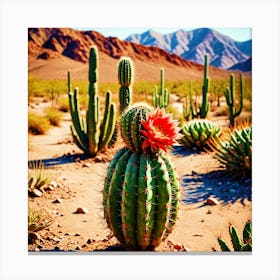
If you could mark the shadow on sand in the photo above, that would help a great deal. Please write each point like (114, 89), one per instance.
(199, 187)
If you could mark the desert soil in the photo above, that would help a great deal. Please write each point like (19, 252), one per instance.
(79, 181)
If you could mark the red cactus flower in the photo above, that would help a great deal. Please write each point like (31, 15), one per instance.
(160, 131)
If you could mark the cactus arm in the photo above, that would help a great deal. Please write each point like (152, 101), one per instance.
(69, 85)
(241, 88)
(77, 140)
(223, 245)
(129, 205)
(110, 127)
(145, 202)
(163, 191)
(104, 126)
(236, 242)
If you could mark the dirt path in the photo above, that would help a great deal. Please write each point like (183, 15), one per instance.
(80, 181)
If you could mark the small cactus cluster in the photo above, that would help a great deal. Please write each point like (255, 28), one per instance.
(141, 189)
(237, 242)
(91, 136)
(197, 133)
(230, 99)
(160, 96)
(191, 111)
(236, 152)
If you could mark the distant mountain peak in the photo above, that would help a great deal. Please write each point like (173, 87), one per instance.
(193, 45)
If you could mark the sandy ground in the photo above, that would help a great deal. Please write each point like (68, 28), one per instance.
(80, 182)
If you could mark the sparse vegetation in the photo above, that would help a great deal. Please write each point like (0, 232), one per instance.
(38, 175)
(37, 220)
(54, 116)
(37, 124)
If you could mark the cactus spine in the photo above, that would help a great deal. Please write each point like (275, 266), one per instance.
(160, 97)
(125, 77)
(229, 94)
(88, 135)
(204, 108)
(141, 189)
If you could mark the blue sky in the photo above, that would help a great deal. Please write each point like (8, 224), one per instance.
(238, 34)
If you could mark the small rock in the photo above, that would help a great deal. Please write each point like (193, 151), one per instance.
(49, 188)
(209, 212)
(77, 234)
(177, 247)
(36, 193)
(58, 200)
(212, 201)
(56, 248)
(40, 247)
(55, 239)
(78, 248)
(98, 159)
(86, 164)
(81, 210)
(90, 241)
(33, 237)
(67, 233)
(84, 246)
(202, 221)
(53, 184)
(37, 249)
(59, 225)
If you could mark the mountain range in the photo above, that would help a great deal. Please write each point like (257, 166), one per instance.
(53, 51)
(191, 45)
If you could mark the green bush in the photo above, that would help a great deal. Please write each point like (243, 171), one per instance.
(54, 116)
(37, 124)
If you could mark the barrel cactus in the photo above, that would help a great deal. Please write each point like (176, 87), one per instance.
(197, 133)
(141, 189)
(235, 152)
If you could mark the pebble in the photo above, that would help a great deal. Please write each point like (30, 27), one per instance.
(209, 212)
(77, 234)
(86, 164)
(37, 193)
(58, 200)
(67, 233)
(90, 241)
(59, 225)
(212, 201)
(84, 246)
(33, 237)
(56, 248)
(53, 184)
(98, 159)
(78, 248)
(81, 210)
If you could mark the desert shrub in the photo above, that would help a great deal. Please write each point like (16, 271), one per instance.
(38, 175)
(54, 116)
(197, 133)
(235, 151)
(37, 124)
(63, 104)
(221, 111)
(37, 220)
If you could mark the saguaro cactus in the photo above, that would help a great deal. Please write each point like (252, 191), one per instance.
(125, 77)
(91, 136)
(202, 111)
(141, 189)
(160, 97)
(187, 106)
(230, 98)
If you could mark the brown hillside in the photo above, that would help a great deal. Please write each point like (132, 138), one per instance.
(52, 51)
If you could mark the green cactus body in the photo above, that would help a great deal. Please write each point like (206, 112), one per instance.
(203, 110)
(230, 99)
(140, 198)
(131, 125)
(236, 152)
(187, 106)
(237, 243)
(160, 98)
(91, 135)
(197, 133)
(125, 77)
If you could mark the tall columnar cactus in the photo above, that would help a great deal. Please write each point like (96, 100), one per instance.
(187, 106)
(160, 97)
(125, 77)
(244, 244)
(91, 136)
(230, 98)
(203, 110)
(141, 189)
